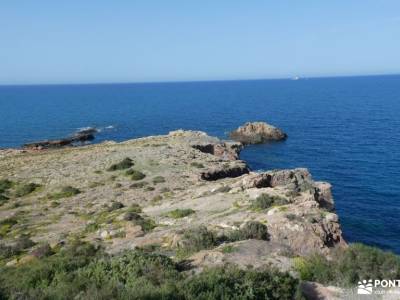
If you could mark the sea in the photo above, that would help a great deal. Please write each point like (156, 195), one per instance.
(345, 130)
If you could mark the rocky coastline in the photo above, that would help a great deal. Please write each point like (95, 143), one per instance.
(154, 191)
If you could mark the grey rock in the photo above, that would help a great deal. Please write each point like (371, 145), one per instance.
(257, 133)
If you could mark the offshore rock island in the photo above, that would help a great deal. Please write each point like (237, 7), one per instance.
(184, 196)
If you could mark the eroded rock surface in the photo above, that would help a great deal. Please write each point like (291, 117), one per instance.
(164, 186)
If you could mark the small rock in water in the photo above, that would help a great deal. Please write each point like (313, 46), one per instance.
(257, 133)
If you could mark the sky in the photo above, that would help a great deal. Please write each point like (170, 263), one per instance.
(93, 41)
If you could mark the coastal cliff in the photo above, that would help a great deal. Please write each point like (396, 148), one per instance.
(184, 195)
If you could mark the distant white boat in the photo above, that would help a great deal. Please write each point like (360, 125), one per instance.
(296, 78)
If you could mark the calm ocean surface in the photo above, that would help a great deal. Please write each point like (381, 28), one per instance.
(344, 130)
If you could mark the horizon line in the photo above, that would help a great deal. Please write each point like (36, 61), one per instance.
(198, 81)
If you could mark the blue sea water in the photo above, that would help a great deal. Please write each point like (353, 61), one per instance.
(344, 130)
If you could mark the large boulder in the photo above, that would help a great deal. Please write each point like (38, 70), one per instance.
(257, 133)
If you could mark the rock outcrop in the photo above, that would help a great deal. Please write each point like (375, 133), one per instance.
(257, 133)
(188, 180)
(229, 171)
(84, 135)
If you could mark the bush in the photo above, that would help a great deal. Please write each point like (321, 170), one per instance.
(347, 267)
(156, 199)
(3, 199)
(233, 283)
(251, 230)
(137, 175)
(138, 185)
(49, 278)
(6, 225)
(180, 213)
(21, 244)
(115, 206)
(265, 201)
(197, 239)
(65, 192)
(146, 223)
(126, 163)
(197, 165)
(5, 185)
(135, 208)
(158, 179)
(81, 271)
(25, 189)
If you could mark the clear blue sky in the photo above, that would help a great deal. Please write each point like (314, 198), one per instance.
(43, 41)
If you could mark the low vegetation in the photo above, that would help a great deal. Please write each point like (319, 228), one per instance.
(196, 239)
(82, 271)
(197, 165)
(135, 208)
(200, 238)
(5, 185)
(6, 225)
(16, 248)
(180, 213)
(265, 201)
(126, 163)
(65, 192)
(138, 185)
(115, 206)
(158, 179)
(348, 266)
(146, 223)
(22, 190)
(250, 230)
(137, 175)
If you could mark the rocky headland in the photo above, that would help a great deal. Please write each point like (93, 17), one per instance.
(184, 195)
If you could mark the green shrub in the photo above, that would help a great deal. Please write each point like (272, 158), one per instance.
(233, 283)
(135, 208)
(265, 201)
(197, 165)
(5, 185)
(3, 199)
(180, 213)
(25, 189)
(81, 271)
(251, 230)
(16, 248)
(347, 267)
(156, 199)
(6, 225)
(138, 185)
(49, 278)
(196, 239)
(115, 206)
(228, 249)
(146, 223)
(158, 179)
(126, 163)
(137, 175)
(65, 192)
